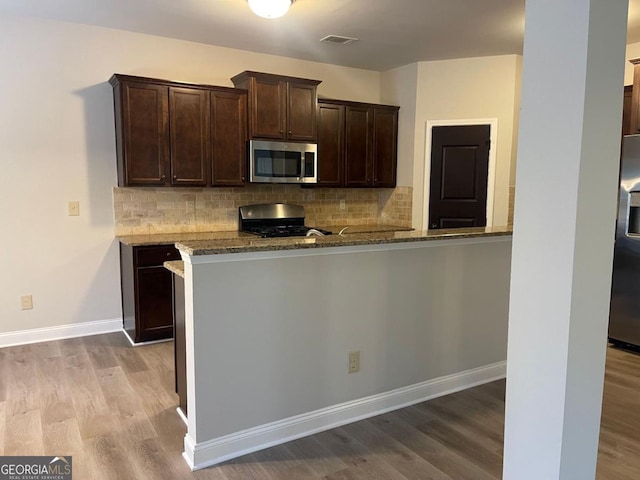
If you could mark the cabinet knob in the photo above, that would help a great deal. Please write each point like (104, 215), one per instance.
(168, 254)
(290, 132)
(175, 177)
(163, 176)
(281, 131)
(243, 179)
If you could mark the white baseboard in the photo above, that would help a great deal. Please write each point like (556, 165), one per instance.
(182, 416)
(59, 332)
(211, 452)
(140, 344)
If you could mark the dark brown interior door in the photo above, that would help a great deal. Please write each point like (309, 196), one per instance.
(459, 172)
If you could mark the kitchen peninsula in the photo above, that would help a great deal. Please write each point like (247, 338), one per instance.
(270, 324)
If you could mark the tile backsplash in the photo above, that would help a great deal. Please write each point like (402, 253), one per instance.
(182, 210)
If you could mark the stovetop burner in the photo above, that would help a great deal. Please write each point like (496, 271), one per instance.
(284, 231)
(276, 220)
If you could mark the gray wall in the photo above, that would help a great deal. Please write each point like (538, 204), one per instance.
(271, 336)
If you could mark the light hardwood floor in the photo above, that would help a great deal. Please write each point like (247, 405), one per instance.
(112, 407)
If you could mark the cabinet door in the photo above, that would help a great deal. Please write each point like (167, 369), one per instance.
(228, 139)
(358, 146)
(385, 144)
(634, 126)
(189, 133)
(330, 145)
(145, 138)
(301, 112)
(267, 109)
(147, 305)
(180, 342)
(155, 303)
(627, 105)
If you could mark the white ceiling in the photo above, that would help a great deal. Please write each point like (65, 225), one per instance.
(391, 32)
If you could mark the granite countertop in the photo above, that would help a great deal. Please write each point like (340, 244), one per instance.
(244, 243)
(350, 229)
(175, 266)
(172, 238)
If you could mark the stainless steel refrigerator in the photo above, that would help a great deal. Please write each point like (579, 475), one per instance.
(624, 318)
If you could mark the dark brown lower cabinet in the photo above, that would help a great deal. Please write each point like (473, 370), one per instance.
(180, 347)
(147, 296)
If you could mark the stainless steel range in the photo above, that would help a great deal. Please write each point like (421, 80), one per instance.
(276, 220)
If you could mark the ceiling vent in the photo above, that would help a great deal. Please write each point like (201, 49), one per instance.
(338, 40)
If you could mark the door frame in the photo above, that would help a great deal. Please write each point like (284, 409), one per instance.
(491, 174)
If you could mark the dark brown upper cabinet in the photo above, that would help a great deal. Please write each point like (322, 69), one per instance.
(228, 138)
(142, 140)
(189, 136)
(360, 141)
(626, 109)
(280, 108)
(358, 146)
(330, 145)
(634, 116)
(176, 134)
(385, 146)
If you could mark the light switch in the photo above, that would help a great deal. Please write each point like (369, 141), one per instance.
(26, 302)
(74, 209)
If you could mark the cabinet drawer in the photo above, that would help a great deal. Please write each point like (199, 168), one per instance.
(156, 255)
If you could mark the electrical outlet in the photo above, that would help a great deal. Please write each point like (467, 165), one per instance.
(74, 209)
(343, 204)
(354, 361)
(26, 302)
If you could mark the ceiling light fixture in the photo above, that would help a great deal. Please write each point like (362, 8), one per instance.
(270, 8)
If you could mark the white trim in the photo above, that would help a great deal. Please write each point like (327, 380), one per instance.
(491, 175)
(455, 239)
(211, 452)
(140, 344)
(60, 332)
(182, 416)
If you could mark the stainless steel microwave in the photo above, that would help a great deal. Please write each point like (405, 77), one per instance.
(282, 162)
